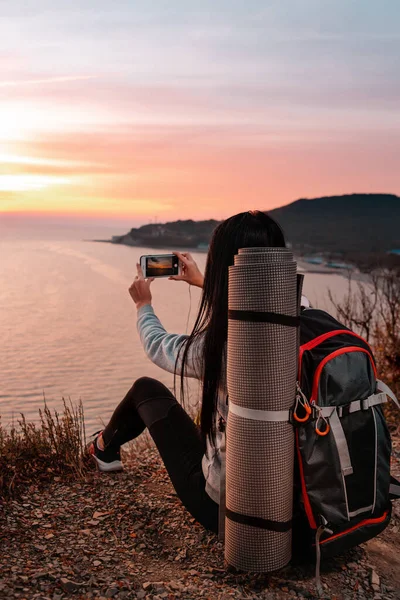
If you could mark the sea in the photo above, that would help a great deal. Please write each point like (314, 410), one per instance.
(68, 324)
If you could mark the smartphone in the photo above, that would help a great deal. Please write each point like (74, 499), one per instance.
(160, 265)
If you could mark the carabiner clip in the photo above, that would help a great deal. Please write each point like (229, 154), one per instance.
(302, 401)
(327, 426)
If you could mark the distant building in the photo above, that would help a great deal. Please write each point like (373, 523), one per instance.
(314, 260)
(335, 265)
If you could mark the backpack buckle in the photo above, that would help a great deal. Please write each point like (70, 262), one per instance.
(364, 404)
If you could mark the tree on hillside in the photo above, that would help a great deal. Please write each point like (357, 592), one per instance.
(372, 309)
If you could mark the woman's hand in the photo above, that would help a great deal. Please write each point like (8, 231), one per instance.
(190, 271)
(140, 289)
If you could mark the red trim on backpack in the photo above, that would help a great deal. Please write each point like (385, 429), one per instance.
(321, 338)
(345, 350)
(306, 500)
(361, 524)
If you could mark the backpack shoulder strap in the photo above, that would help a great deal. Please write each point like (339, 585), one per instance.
(382, 387)
(394, 490)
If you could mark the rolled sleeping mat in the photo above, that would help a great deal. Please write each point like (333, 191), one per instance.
(270, 251)
(256, 257)
(261, 376)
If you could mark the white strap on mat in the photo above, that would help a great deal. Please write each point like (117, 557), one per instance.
(259, 415)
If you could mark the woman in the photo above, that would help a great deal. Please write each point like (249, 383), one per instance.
(191, 454)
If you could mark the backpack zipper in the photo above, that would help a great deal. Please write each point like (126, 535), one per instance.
(373, 521)
(339, 352)
(309, 346)
(321, 338)
(306, 500)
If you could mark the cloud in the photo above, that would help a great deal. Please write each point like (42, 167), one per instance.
(68, 78)
(213, 106)
(23, 183)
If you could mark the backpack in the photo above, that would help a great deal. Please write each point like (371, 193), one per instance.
(343, 487)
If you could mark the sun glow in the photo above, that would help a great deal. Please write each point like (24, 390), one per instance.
(16, 159)
(24, 183)
(122, 112)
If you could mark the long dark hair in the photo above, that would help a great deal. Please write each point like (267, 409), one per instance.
(245, 230)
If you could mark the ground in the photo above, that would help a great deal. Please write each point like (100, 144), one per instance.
(127, 535)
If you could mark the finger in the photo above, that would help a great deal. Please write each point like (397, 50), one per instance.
(177, 278)
(139, 271)
(181, 257)
(150, 280)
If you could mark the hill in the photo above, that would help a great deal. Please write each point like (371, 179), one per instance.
(349, 224)
(176, 234)
(345, 224)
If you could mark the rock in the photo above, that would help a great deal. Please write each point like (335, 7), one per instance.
(375, 581)
(141, 594)
(175, 585)
(98, 514)
(111, 592)
(96, 563)
(68, 585)
(147, 585)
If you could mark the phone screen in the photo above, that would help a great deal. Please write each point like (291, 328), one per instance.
(162, 265)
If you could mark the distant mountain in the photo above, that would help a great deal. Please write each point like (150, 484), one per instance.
(350, 224)
(176, 234)
(345, 224)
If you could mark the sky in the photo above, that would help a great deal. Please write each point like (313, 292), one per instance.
(137, 110)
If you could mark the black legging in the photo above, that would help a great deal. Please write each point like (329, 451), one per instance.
(149, 403)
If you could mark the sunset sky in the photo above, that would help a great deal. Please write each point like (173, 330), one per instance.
(181, 109)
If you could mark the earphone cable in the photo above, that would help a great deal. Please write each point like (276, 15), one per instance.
(190, 307)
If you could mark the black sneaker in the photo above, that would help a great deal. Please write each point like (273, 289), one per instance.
(107, 460)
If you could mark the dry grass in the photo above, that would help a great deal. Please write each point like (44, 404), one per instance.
(372, 308)
(32, 453)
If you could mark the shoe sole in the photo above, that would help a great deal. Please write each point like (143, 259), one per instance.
(104, 467)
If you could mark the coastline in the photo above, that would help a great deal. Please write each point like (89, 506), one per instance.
(303, 265)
